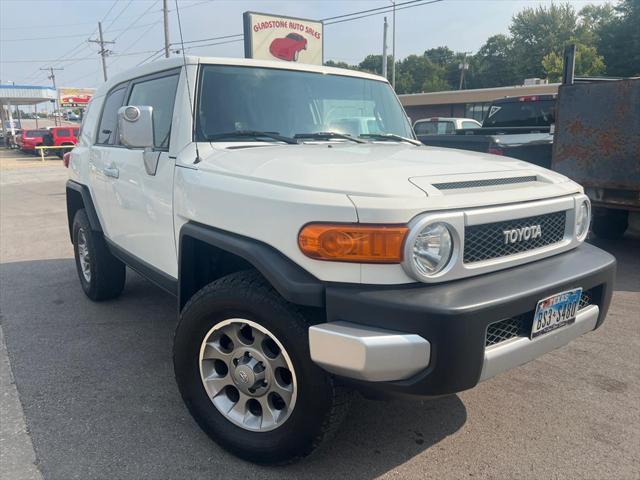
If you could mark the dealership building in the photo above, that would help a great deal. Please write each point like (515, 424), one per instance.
(466, 103)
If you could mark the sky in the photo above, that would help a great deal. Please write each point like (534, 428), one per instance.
(29, 42)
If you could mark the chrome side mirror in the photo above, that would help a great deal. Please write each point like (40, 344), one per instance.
(135, 126)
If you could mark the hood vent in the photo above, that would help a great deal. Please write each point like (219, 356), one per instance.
(489, 182)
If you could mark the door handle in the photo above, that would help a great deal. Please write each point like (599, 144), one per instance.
(112, 172)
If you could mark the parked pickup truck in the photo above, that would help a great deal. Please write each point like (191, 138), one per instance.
(443, 125)
(597, 143)
(308, 262)
(518, 127)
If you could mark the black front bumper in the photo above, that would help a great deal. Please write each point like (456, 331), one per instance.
(454, 316)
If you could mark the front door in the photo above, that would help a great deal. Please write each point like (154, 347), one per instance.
(101, 156)
(141, 213)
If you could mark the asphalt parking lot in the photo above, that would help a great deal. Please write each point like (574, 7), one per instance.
(88, 389)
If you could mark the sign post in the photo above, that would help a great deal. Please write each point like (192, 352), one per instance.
(276, 37)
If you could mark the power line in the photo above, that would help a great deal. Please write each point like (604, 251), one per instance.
(212, 38)
(137, 20)
(339, 18)
(150, 56)
(118, 16)
(388, 9)
(212, 44)
(108, 11)
(367, 11)
(48, 25)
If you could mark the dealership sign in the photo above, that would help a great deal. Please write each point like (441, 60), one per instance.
(75, 97)
(275, 37)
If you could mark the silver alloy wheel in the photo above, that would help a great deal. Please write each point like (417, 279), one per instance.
(248, 374)
(83, 255)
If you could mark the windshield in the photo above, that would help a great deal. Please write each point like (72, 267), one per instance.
(290, 103)
(538, 113)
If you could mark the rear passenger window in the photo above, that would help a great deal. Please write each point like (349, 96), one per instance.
(109, 119)
(76, 132)
(159, 93)
(63, 132)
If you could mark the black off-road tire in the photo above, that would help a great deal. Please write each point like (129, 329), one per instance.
(321, 403)
(610, 224)
(107, 273)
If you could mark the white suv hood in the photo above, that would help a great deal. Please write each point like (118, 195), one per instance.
(375, 169)
(377, 175)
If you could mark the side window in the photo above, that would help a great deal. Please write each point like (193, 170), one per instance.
(109, 119)
(63, 132)
(76, 132)
(466, 125)
(159, 93)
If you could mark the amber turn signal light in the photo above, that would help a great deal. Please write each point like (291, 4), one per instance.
(353, 242)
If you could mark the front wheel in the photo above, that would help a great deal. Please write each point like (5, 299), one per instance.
(241, 359)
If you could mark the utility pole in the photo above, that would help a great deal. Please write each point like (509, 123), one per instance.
(568, 64)
(384, 48)
(52, 77)
(393, 49)
(165, 12)
(463, 67)
(103, 51)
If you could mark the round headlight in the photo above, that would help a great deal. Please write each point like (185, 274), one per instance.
(432, 249)
(583, 218)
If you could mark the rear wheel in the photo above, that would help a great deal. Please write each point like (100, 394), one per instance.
(241, 359)
(45, 151)
(101, 275)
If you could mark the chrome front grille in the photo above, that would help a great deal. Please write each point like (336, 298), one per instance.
(487, 241)
(520, 326)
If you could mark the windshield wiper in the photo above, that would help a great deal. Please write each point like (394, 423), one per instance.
(326, 136)
(218, 137)
(390, 136)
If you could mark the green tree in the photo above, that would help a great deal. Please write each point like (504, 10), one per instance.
(441, 55)
(417, 74)
(493, 65)
(372, 64)
(588, 63)
(332, 63)
(619, 40)
(536, 32)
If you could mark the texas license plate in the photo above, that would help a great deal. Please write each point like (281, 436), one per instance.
(555, 311)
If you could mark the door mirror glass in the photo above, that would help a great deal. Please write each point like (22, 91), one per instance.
(135, 126)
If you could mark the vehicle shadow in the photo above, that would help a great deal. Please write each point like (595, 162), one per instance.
(96, 384)
(626, 250)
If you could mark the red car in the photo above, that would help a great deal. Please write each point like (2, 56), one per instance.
(289, 47)
(30, 139)
(60, 136)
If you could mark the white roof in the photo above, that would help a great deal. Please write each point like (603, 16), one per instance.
(25, 94)
(178, 61)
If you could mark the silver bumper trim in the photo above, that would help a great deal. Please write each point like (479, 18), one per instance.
(367, 353)
(516, 352)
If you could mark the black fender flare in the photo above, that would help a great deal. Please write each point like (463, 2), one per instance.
(88, 205)
(291, 281)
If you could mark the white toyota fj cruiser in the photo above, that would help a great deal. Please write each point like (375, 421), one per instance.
(315, 247)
